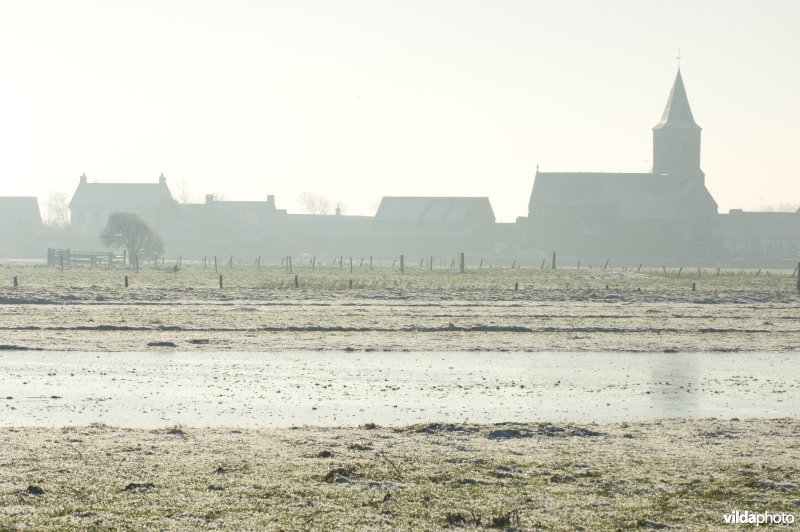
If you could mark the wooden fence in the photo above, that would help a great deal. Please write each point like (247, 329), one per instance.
(66, 258)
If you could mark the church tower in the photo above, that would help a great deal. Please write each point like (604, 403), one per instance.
(676, 138)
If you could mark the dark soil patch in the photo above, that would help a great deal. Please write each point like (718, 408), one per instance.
(340, 474)
(136, 487)
(35, 490)
(161, 344)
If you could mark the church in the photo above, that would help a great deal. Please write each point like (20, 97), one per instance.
(665, 213)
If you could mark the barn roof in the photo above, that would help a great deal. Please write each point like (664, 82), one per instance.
(432, 210)
(20, 209)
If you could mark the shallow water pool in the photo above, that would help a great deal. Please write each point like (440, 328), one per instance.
(325, 388)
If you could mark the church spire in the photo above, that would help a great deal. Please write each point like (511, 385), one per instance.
(676, 139)
(677, 113)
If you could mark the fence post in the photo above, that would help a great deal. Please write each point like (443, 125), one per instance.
(402, 264)
(462, 266)
(370, 263)
(296, 282)
(351, 264)
(216, 269)
(126, 281)
(220, 281)
(16, 283)
(554, 261)
(431, 262)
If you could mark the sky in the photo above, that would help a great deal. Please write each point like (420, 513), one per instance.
(362, 99)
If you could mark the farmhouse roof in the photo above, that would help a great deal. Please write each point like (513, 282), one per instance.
(120, 196)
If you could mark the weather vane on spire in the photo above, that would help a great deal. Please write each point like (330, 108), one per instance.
(678, 57)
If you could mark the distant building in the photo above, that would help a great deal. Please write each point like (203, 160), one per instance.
(760, 235)
(21, 224)
(224, 228)
(92, 204)
(19, 211)
(510, 238)
(433, 226)
(667, 212)
(327, 234)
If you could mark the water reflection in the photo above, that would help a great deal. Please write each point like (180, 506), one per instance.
(672, 389)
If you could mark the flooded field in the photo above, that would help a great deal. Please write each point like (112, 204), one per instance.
(336, 389)
(525, 398)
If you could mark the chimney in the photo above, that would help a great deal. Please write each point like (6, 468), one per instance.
(83, 178)
(162, 180)
(209, 198)
(271, 202)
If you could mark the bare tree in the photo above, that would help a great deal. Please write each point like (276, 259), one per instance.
(314, 203)
(55, 210)
(183, 192)
(784, 206)
(125, 229)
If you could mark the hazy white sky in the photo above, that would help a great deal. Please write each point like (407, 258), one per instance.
(360, 99)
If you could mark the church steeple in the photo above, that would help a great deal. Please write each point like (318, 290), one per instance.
(676, 138)
(677, 113)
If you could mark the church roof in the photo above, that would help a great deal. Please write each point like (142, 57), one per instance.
(637, 196)
(677, 113)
